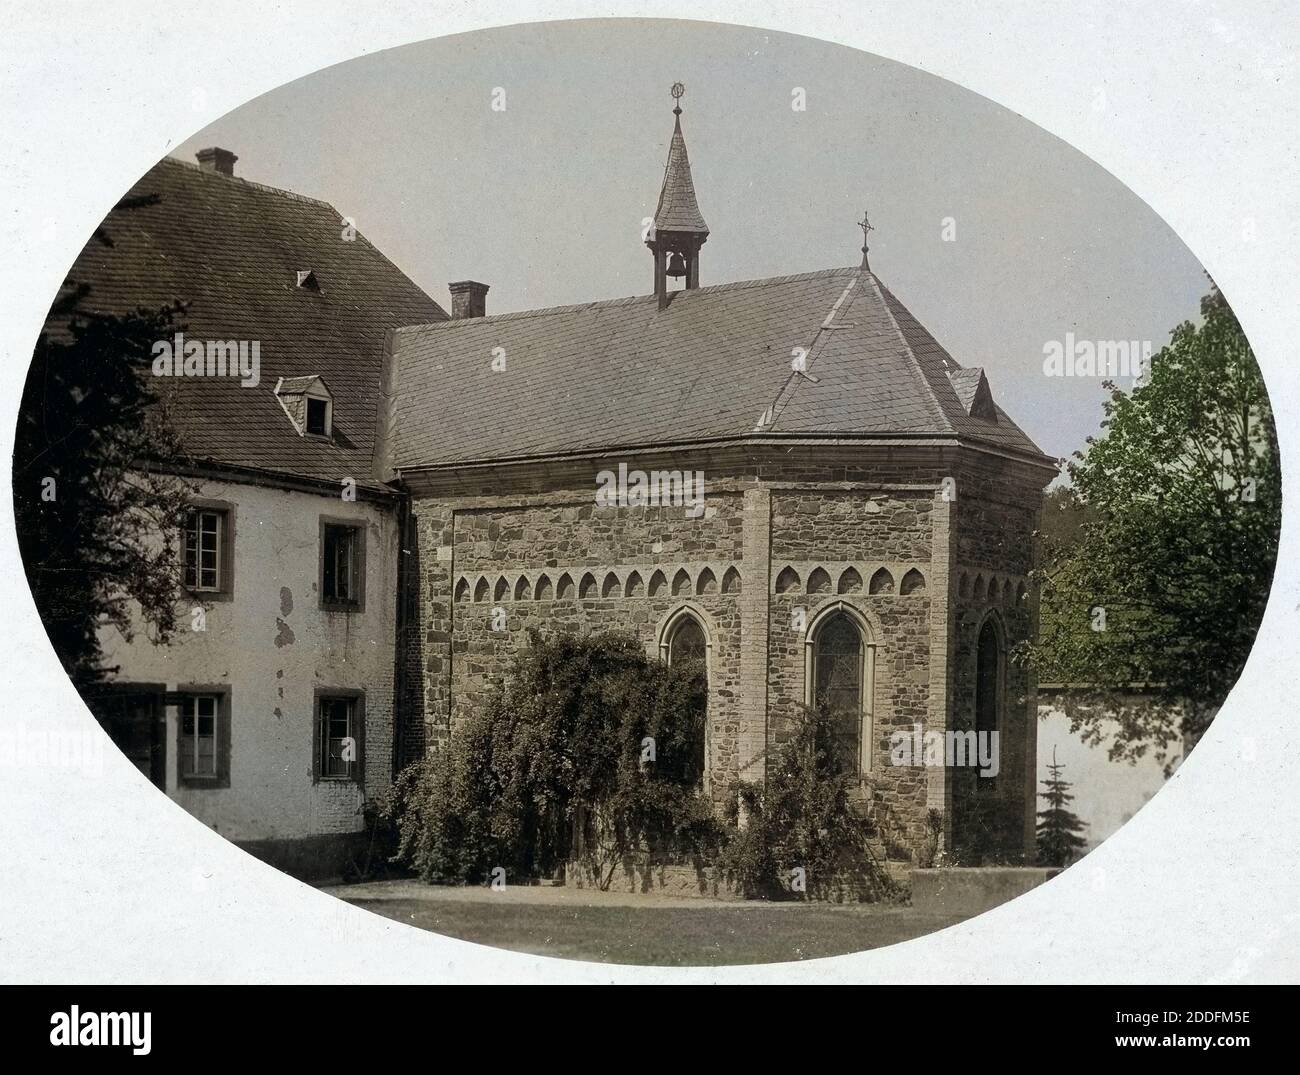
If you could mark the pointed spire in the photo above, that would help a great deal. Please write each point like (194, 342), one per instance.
(678, 210)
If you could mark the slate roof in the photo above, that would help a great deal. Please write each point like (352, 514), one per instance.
(677, 209)
(714, 365)
(232, 250)
(972, 388)
(965, 383)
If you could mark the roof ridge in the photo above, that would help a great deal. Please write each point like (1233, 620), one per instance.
(199, 169)
(794, 380)
(627, 300)
(926, 388)
(321, 202)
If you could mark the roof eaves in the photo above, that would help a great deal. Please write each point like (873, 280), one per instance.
(928, 439)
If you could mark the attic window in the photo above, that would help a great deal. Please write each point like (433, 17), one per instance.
(307, 280)
(309, 405)
(317, 417)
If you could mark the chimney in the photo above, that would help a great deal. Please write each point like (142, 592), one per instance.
(217, 160)
(468, 299)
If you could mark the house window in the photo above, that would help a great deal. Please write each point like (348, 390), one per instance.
(339, 733)
(839, 674)
(204, 534)
(342, 566)
(203, 742)
(317, 417)
(207, 549)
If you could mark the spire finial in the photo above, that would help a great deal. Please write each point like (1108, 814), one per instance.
(866, 226)
(677, 91)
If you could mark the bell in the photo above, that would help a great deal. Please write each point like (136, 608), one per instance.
(676, 266)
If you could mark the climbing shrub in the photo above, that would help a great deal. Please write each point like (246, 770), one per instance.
(589, 749)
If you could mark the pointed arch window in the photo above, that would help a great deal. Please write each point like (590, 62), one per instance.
(839, 673)
(687, 643)
(684, 643)
(988, 678)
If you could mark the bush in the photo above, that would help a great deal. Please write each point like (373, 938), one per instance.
(553, 768)
(589, 749)
(804, 821)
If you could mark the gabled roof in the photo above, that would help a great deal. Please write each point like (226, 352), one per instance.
(289, 386)
(232, 250)
(715, 364)
(972, 388)
(678, 209)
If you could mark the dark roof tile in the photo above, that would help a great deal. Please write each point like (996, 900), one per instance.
(714, 364)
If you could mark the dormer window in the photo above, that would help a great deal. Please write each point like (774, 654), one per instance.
(318, 417)
(307, 280)
(309, 404)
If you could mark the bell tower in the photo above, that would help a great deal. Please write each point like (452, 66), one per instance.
(679, 229)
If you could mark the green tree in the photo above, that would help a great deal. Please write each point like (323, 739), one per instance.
(1059, 839)
(97, 504)
(1163, 581)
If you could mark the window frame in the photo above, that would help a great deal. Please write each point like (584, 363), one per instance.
(308, 398)
(668, 629)
(320, 695)
(867, 634)
(224, 510)
(679, 624)
(358, 528)
(189, 693)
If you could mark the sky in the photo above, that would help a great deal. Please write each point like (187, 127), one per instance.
(996, 235)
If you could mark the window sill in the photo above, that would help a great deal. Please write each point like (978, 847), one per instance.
(341, 606)
(208, 595)
(337, 781)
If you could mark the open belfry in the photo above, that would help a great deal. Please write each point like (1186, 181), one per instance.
(860, 531)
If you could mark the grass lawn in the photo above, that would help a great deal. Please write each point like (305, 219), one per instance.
(645, 930)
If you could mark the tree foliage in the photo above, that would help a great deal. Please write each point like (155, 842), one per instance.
(98, 511)
(1164, 581)
(1059, 839)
